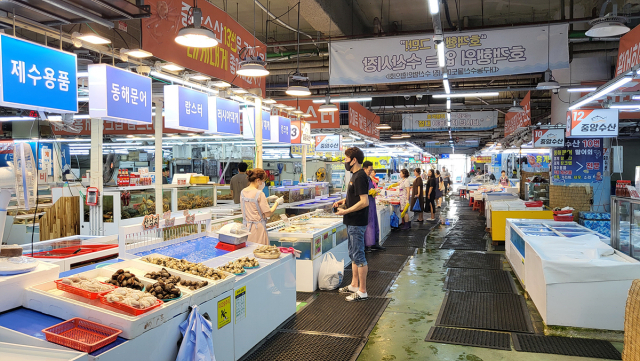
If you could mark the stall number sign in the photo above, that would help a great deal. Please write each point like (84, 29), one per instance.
(545, 138)
(150, 221)
(224, 312)
(37, 77)
(328, 143)
(592, 123)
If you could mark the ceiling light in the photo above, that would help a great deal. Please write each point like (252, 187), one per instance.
(549, 82)
(464, 95)
(343, 100)
(383, 126)
(607, 26)
(396, 136)
(199, 77)
(516, 108)
(298, 85)
(306, 115)
(622, 81)
(328, 108)
(298, 91)
(252, 68)
(220, 84)
(581, 90)
(448, 104)
(625, 105)
(171, 67)
(433, 7)
(405, 135)
(447, 89)
(136, 53)
(195, 36)
(288, 108)
(90, 38)
(279, 105)
(441, 61)
(297, 111)
(239, 91)
(268, 101)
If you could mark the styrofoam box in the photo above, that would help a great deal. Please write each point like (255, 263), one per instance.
(46, 298)
(13, 286)
(201, 295)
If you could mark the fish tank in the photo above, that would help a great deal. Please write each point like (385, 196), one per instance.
(223, 194)
(292, 194)
(195, 197)
(302, 245)
(309, 207)
(142, 203)
(322, 188)
(107, 209)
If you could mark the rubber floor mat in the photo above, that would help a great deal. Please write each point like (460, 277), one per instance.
(380, 261)
(488, 311)
(407, 251)
(303, 296)
(479, 280)
(465, 337)
(466, 244)
(474, 260)
(293, 346)
(566, 346)
(378, 283)
(331, 313)
(397, 241)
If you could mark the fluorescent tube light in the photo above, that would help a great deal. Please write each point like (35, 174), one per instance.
(441, 61)
(581, 90)
(447, 89)
(465, 95)
(434, 8)
(343, 100)
(602, 92)
(171, 67)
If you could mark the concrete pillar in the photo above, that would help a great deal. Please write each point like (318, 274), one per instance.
(96, 175)
(258, 132)
(158, 124)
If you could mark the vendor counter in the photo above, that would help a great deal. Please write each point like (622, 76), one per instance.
(573, 276)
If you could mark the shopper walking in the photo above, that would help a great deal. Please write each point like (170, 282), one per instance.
(372, 234)
(255, 207)
(431, 194)
(239, 182)
(504, 181)
(404, 193)
(446, 176)
(356, 217)
(439, 189)
(418, 194)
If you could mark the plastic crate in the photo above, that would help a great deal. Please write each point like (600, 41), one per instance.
(80, 334)
(534, 204)
(128, 309)
(557, 213)
(79, 291)
(563, 218)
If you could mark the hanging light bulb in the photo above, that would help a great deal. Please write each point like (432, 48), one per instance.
(328, 106)
(194, 35)
(251, 64)
(298, 85)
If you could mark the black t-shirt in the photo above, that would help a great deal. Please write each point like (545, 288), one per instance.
(432, 183)
(358, 186)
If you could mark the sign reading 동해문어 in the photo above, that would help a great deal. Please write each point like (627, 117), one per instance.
(435, 122)
(185, 108)
(119, 95)
(37, 77)
(547, 138)
(413, 58)
(592, 123)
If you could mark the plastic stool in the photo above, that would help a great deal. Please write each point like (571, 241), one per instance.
(477, 205)
(461, 192)
(470, 201)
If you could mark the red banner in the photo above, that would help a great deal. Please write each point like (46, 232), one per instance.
(318, 120)
(513, 121)
(628, 51)
(113, 128)
(363, 121)
(168, 17)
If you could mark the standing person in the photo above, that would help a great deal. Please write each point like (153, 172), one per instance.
(431, 194)
(446, 176)
(372, 234)
(255, 206)
(418, 193)
(504, 181)
(439, 188)
(356, 218)
(404, 193)
(165, 176)
(239, 182)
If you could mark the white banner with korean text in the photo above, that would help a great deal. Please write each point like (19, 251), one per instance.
(460, 121)
(480, 53)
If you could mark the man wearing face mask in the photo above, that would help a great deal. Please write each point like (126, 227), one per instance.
(255, 209)
(356, 217)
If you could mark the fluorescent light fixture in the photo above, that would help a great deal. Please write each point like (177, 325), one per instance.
(180, 81)
(199, 77)
(343, 100)
(603, 92)
(447, 89)
(396, 136)
(268, 101)
(405, 135)
(252, 69)
(441, 61)
(298, 91)
(82, 74)
(383, 126)
(91, 38)
(239, 91)
(136, 53)
(8, 119)
(448, 104)
(581, 90)
(433, 7)
(171, 67)
(83, 99)
(221, 84)
(625, 105)
(465, 95)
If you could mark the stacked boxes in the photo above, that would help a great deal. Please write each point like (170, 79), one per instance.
(599, 222)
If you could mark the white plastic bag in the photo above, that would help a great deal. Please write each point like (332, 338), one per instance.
(331, 272)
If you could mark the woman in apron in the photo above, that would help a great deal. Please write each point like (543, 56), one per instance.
(255, 206)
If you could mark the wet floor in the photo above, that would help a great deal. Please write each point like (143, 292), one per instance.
(416, 297)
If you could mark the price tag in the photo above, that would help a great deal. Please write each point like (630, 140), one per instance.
(166, 215)
(185, 212)
(191, 219)
(301, 191)
(150, 221)
(169, 222)
(633, 192)
(286, 220)
(333, 230)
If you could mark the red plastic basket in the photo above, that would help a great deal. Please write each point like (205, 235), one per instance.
(534, 204)
(563, 218)
(81, 335)
(128, 309)
(568, 211)
(79, 291)
(60, 253)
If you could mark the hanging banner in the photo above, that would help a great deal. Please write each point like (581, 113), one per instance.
(111, 128)
(481, 53)
(221, 61)
(185, 108)
(460, 121)
(249, 123)
(481, 159)
(224, 116)
(535, 162)
(513, 121)
(119, 95)
(592, 122)
(280, 129)
(579, 161)
(328, 143)
(318, 119)
(547, 138)
(363, 121)
(37, 77)
(628, 51)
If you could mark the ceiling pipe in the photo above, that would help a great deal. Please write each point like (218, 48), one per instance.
(80, 12)
(276, 20)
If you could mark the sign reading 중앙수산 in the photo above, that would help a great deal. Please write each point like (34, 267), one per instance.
(412, 58)
(434, 122)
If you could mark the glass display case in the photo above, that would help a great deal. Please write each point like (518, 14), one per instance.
(292, 194)
(625, 225)
(322, 188)
(195, 197)
(310, 207)
(538, 192)
(139, 204)
(223, 194)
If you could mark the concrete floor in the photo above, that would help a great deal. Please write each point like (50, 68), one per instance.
(416, 297)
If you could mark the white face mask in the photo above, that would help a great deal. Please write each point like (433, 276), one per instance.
(261, 186)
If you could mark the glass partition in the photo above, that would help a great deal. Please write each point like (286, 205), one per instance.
(625, 225)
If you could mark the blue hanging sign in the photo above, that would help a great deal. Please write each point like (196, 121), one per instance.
(37, 77)
(224, 116)
(119, 95)
(185, 108)
(280, 129)
(579, 161)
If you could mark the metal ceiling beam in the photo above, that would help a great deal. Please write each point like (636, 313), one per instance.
(74, 9)
(38, 11)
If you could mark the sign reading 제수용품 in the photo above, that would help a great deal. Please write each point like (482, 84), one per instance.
(186, 108)
(37, 77)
